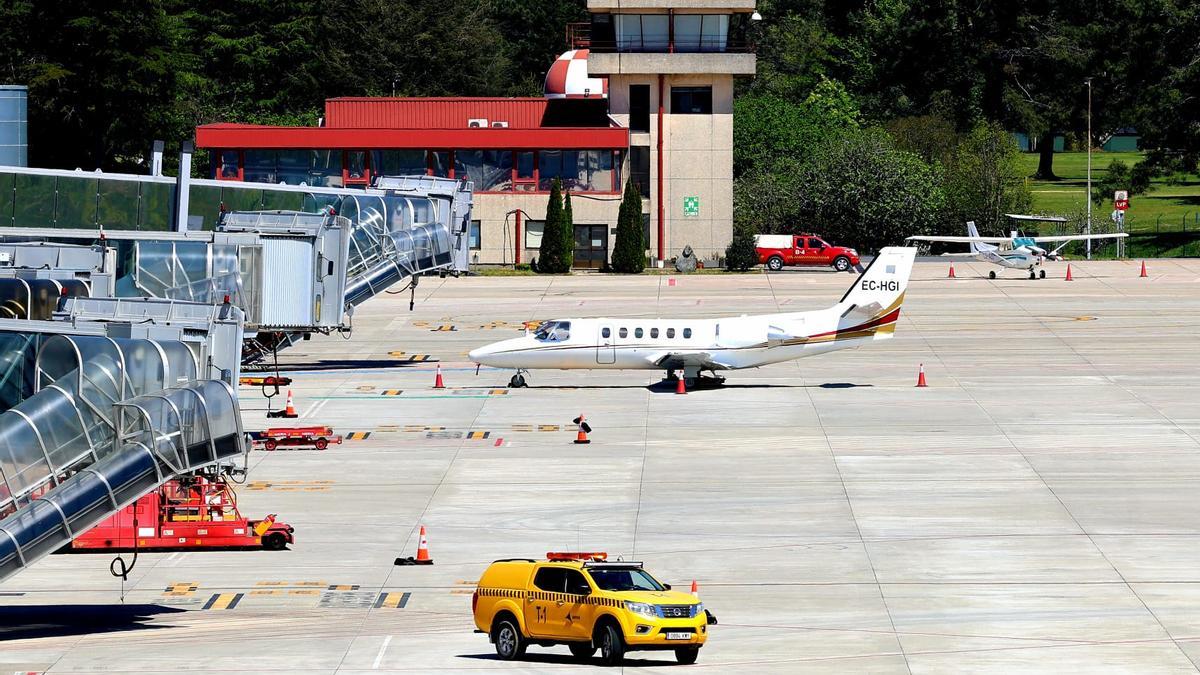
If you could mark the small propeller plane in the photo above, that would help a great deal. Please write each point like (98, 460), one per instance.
(1015, 252)
(867, 312)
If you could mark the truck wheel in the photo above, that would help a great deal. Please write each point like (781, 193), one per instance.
(510, 644)
(612, 645)
(841, 263)
(774, 263)
(582, 650)
(687, 655)
(270, 444)
(322, 443)
(274, 542)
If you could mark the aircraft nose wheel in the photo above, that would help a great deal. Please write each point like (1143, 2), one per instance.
(992, 274)
(1042, 274)
(517, 381)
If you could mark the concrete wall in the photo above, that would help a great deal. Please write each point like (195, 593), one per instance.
(498, 225)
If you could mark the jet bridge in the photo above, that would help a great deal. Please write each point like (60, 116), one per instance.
(105, 404)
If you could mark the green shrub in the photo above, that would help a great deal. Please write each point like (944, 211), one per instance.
(629, 250)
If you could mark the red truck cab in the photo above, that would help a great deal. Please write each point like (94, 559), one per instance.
(777, 250)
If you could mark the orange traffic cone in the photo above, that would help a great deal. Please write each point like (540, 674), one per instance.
(695, 588)
(1143, 274)
(289, 410)
(437, 381)
(1069, 278)
(951, 275)
(680, 385)
(423, 550)
(581, 435)
(921, 376)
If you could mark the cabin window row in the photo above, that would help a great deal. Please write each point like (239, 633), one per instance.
(639, 333)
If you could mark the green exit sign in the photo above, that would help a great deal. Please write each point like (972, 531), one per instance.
(691, 206)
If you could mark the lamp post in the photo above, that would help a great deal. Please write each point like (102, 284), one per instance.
(1088, 81)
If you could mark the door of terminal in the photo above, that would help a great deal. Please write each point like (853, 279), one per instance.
(591, 246)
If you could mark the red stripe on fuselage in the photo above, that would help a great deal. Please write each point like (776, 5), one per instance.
(874, 323)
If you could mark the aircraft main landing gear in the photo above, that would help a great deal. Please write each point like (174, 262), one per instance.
(518, 381)
(991, 274)
(1032, 274)
(1042, 274)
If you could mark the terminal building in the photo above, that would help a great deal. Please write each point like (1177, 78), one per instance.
(645, 95)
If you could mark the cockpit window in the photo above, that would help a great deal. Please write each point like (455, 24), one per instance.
(553, 331)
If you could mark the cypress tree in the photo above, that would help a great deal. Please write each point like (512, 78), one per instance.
(741, 254)
(629, 251)
(568, 232)
(550, 253)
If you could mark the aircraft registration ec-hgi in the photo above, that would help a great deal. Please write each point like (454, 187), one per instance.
(868, 311)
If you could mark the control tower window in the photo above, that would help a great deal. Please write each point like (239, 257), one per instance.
(691, 100)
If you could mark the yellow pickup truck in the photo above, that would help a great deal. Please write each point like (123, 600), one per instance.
(585, 602)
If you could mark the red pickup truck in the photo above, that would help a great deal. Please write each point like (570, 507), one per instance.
(777, 250)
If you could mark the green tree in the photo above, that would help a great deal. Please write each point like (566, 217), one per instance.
(930, 137)
(629, 250)
(552, 258)
(568, 232)
(766, 127)
(855, 188)
(984, 179)
(741, 254)
(1119, 176)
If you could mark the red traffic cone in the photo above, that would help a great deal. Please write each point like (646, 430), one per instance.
(437, 381)
(1069, 278)
(921, 376)
(951, 275)
(695, 588)
(1143, 274)
(581, 435)
(680, 385)
(423, 550)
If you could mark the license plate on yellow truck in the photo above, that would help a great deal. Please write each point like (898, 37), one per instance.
(679, 636)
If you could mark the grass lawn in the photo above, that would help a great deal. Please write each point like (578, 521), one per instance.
(1165, 208)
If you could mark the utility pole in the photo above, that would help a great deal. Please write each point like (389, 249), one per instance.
(1089, 167)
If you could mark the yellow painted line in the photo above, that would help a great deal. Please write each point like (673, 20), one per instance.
(263, 592)
(392, 600)
(305, 592)
(343, 587)
(223, 601)
(522, 427)
(548, 427)
(358, 435)
(461, 591)
(476, 435)
(392, 392)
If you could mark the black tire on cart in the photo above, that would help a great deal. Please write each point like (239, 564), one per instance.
(322, 443)
(274, 541)
(270, 444)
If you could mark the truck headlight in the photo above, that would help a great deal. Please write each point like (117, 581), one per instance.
(697, 609)
(643, 608)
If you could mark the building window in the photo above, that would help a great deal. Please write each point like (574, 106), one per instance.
(325, 169)
(356, 167)
(637, 333)
(533, 233)
(259, 166)
(642, 32)
(526, 180)
(473, 235)
(228, 165)
(577, 170)
(624, 332)
(439, 163)
(691, 100)
(489, 170)
(400, 162)
(639, 107)
(639, 168)
(701, 32)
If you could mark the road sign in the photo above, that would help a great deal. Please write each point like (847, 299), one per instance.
(1121, 199)
(691, 206)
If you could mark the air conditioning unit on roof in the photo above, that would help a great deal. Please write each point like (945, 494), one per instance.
(499, 125)
(478, 123)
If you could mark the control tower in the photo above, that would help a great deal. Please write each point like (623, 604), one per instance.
(670, 66)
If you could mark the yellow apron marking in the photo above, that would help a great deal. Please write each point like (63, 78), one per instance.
(392, 600)
(223, 601)
(476, 435)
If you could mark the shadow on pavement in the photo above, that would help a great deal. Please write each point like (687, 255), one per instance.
(565, 659)
(22, 622)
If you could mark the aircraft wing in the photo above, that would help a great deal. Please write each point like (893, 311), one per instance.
(962, 240)
(678, 360)
(1079, 237)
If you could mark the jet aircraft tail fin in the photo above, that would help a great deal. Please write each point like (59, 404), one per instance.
(875, 297)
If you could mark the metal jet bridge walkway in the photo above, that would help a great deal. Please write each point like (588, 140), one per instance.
(92, 422)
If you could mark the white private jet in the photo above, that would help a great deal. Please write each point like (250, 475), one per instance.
(1019, 253)
(868, 311)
